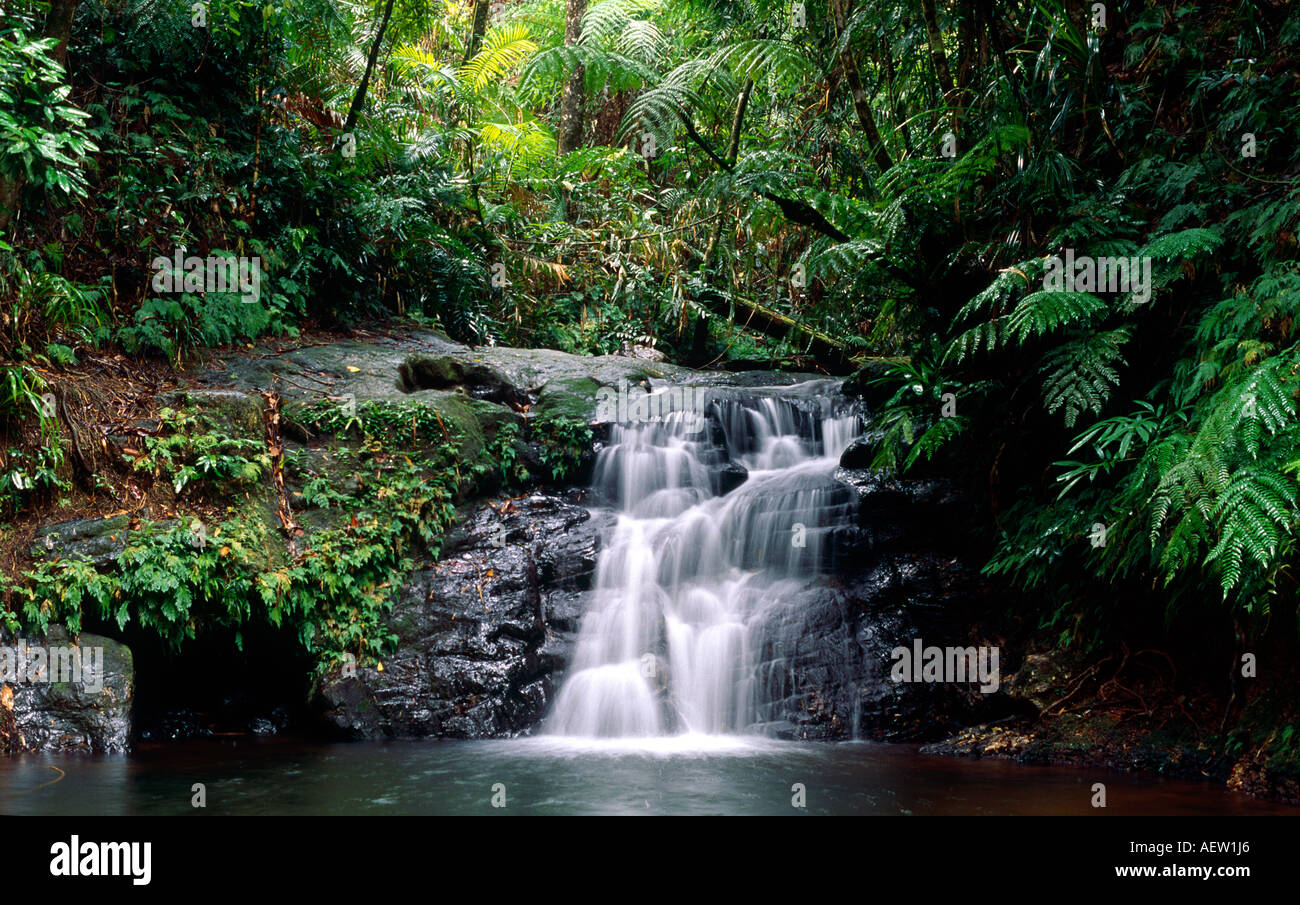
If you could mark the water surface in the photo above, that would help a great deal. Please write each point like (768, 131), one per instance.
(548, 775)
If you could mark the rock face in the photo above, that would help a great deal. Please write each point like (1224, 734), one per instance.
(897, 579)
(484, 634)
(57, 695)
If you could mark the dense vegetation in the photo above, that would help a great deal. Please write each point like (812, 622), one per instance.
(817, 184)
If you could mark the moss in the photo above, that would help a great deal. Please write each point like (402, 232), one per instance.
(239, 415)
(567, 399)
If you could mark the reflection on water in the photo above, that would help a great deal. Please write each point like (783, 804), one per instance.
(549, 775)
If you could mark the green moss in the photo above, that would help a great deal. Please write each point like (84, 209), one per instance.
(567, 399)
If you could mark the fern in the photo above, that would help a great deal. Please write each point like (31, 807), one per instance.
(504, 48)
(938, 435)
(1253, 514)
(1042, 312)
(1036, 314)
(1081, 374)
(764, 58)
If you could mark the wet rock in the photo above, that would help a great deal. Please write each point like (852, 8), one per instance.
(483, 634)
(827, 650)
(858, 455)
(63, 694)
(860, 382)
(727, 477)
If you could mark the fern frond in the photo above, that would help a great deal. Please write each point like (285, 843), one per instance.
(1042, 312)
(504, 48)
(1081, 374)
(938, 435)
(762, 58)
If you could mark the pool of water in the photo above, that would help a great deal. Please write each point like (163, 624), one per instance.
(702, 775)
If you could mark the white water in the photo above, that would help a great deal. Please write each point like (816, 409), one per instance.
(685, 576)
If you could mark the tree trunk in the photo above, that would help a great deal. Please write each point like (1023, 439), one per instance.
(886, 58)
(359, 99)
(477, 30)
(935, 39)
(573, 101)
(733, 151)
(972, 44)
(10, 191)
(840, 9)
(58, 24)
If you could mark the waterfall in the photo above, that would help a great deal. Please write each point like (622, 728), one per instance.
(693, 562)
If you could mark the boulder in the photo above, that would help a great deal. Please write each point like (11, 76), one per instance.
(58, 693)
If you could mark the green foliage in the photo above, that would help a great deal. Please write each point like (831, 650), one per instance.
(1169, 418)
(178, 579)
(190, 448)
(1080, 375)
(30, 466)
(43, 140)
(563, 443)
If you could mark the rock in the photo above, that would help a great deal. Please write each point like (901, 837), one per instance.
(727, 477)
(476, 378)
(237, 413)
(859, 383)
(567, 398)
(827, 648)
(642, 352)
(858, 455)
(483, 634)
(96, 540)
(80, 700)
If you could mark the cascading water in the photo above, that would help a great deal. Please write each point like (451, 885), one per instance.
(687, 572)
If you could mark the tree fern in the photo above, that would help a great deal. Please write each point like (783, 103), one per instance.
(607, 20)
(764, 58)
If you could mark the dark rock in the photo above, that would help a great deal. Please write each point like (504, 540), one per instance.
(57, 694)
(483, 634)
(827, 649)
(859, 383)
(858, 455)
(727, 477)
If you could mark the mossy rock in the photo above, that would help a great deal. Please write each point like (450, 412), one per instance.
(96, 540)
(567, 399)
(475, 423)
(240, 415)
